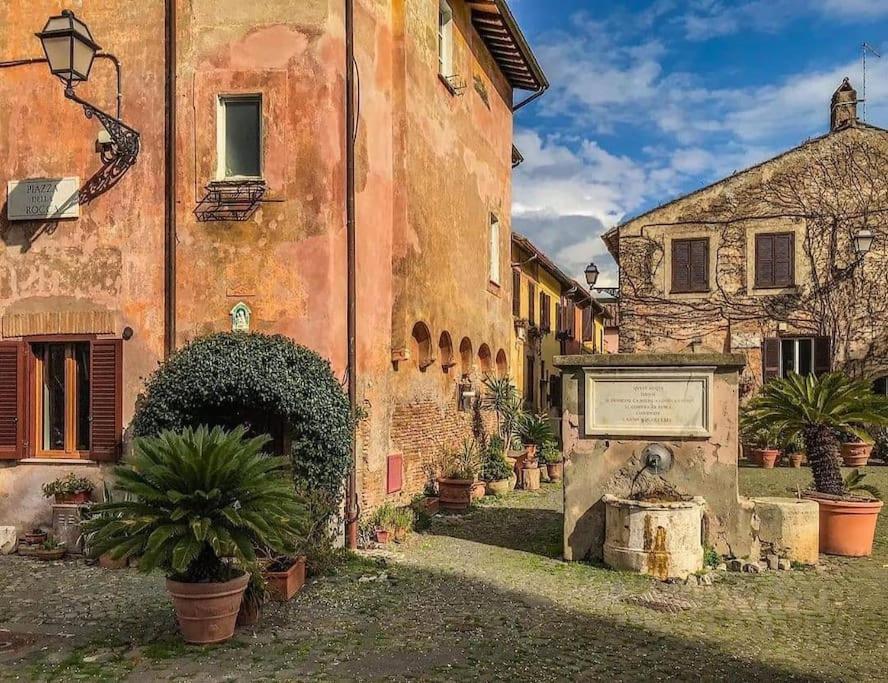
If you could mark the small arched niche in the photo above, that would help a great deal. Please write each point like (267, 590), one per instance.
(485, 359)
(465, 356)
(445, 351)
(422, 346)
(502, 364)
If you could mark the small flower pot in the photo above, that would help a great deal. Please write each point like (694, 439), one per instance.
(455, 494)
(35, 537)
(856, 454)
(383, 536)
(767, 457)
(79, 498)
(847, 528)
(283, 585)
(207, 612)
(499, 488)
(47, 555)
(555, 470)
(479, 490)
(796, 460)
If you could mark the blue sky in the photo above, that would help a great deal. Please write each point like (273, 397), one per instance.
(651, 100)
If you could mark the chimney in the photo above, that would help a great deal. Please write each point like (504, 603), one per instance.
(843, 112)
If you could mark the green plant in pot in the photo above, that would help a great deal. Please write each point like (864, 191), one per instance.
(460, 468)
(534, 431)
(554, 460)
(816, 408)
(69, 489)
(794, 448)
(199, 503)
(496, 472)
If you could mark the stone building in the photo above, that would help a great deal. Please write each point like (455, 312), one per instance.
(553, 315)
(785, 262)
(234, 214)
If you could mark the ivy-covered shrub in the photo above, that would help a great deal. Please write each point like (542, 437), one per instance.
(268, 384)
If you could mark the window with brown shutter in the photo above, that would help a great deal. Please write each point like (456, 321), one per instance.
(690, 265)
(545, 312)
(12, 405)
(559, 318)
(775, 260)
(516, 294)
(106, 411)
(782, 356)
(531, 303)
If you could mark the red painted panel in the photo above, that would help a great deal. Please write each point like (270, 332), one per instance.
(394, 480)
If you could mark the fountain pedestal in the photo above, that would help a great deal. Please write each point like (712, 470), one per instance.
(662, 539)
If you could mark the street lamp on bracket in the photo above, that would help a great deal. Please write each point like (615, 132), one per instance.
(863, 241)
(70, 51)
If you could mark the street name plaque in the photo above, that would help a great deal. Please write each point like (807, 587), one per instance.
(648, 403)
(43, 199)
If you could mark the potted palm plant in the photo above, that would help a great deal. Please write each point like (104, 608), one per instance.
(816, 408)
(198, 504)
(534, 431)
(460, 468)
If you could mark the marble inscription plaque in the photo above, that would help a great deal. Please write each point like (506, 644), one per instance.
(652, 402)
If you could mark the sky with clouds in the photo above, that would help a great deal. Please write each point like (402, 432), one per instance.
(653, 99)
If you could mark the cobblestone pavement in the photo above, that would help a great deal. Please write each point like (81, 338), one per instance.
(478, 597)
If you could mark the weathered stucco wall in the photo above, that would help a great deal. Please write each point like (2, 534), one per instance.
(704, 467)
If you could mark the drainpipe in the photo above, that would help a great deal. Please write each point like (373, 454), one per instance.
(351, 511)
(169, 172)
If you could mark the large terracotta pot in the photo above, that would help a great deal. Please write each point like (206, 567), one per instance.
(79, 498)
(499, 488)
(856, 454)
(284, 585)
(847, 527)
(479, 490)
(207, 612)
(455, 494)
(767, 457)
(555, 470)
(108, 562)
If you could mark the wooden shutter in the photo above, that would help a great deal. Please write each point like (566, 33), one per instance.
(545, 322)
(783, 260)
(106, 409)
(12, 401)
(699, 265)
(559, 318)
(531, 303)
(822, 355)
(681, 266)
(771, 358)
(764, 260)
(588, 324)
(516, 294)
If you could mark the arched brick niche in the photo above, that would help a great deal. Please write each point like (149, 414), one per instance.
(502, 364)
(466, 358)
(485, 359)
(421, 346)
(445, 351)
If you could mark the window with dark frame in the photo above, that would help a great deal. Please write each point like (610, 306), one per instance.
(545, 312)
(775, 260)
(690, 265)
(516, 294)
(782, 356)
(531, 303)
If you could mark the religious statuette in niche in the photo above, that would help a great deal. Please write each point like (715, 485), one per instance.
(240, 317)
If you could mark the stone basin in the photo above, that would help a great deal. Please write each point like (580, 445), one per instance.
(661, 538)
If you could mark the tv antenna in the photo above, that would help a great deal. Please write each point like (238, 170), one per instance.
(866, 48)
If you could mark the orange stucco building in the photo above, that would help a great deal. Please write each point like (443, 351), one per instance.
(237, 200)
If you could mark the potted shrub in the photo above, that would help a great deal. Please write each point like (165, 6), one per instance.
(382, 522)
(795, 452)
(199, 503)
(70, 490)
(815, 408)
(855, 448)
(766, 453)
(496, 472)
(554, 461)
(534, 431)
(460, 474)
(285, 576)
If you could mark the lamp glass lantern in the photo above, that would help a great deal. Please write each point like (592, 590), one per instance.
(863, 241)
(69, 47)
(591, 274)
